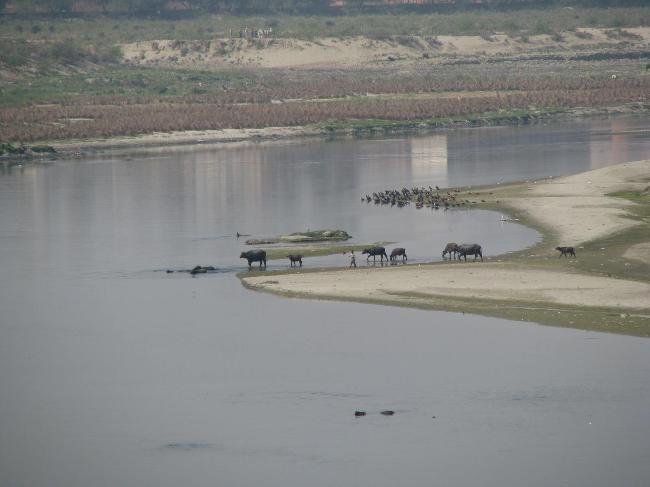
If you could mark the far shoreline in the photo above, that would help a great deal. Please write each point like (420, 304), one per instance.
(210, 139)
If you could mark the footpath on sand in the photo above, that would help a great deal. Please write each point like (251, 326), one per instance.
(590, 292)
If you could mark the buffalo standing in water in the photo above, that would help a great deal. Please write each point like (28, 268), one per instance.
(463, 250)
(254, 256)
(400, 251)
(295, 259)
(374, 252)
(451, 249)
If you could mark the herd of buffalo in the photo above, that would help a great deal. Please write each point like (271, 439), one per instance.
(455, 251)
(452, 251)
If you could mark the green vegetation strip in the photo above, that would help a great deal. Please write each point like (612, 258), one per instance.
(122, 81)
(384, 25)
(504, 117)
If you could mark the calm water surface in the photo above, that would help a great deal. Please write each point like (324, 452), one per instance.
(115, 373)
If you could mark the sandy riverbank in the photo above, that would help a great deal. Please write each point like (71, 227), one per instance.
(573, 210)
(187, 138)
(190, 139)
(341, 53)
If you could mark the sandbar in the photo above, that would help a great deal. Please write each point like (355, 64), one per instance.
(576, 210)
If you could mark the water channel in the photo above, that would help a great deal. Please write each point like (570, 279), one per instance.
(113, 372)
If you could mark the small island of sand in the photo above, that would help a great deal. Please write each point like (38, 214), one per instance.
(603, 213)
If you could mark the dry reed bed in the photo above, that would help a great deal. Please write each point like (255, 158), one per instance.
(50, 122)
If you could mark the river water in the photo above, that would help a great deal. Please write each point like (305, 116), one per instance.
(113, 372)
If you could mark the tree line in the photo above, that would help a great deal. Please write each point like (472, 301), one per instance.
(266, 7)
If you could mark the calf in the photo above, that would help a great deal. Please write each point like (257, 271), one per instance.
(400, 251)
(295, 258)
(566, 251)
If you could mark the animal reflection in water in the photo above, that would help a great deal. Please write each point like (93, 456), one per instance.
(398, 252)
(374, 252)
(254, 256)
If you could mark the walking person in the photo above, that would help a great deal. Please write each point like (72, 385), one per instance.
(353, 260)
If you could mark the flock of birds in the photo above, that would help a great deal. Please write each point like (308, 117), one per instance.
(430, 197)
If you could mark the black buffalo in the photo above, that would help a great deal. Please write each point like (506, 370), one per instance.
(400, 251)
(295, 258)
(254, 256)
(201, 270)
(451, 249)
(566, 251)
(463, 250)
(374, 252)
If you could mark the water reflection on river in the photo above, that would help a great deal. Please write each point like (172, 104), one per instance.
(114, 374)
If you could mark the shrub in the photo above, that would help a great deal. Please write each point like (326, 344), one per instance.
(65, 52)
(109, 54)
(433, 41)
(465, 24)
(408, 41)
(622, 34)
(581, 34)
(510, 26)
(615, 22)
(15, 53)
(542, 28)
(626, 34)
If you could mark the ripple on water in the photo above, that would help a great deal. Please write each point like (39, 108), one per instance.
(189, 446)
